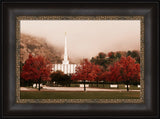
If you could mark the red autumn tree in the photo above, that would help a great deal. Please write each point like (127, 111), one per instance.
(37, 69)
(125, 70)
(105, 76)
(86, 71)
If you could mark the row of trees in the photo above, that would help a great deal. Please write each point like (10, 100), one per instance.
(114, 70)
(105, 60)
(38, 69)
(125, 70)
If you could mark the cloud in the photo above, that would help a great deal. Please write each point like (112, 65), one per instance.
(87, 37)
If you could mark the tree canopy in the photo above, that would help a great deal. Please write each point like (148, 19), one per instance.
(125, 70)
(37, 69)
(86, 71)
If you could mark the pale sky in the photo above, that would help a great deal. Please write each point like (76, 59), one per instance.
(86, 38)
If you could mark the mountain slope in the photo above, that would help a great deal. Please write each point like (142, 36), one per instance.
(38, 46)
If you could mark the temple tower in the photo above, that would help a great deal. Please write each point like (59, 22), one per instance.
(65, 66)
(65, 61)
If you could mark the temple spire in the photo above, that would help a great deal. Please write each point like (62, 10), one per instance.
(65, 61)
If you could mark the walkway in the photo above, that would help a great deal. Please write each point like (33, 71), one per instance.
(72, 89)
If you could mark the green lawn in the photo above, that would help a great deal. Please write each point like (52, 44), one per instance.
(78, 95)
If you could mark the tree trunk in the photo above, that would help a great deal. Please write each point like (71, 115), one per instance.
(39, 84)
(103, 84)
(36, 84)
(84, 85)
(29, 83)
(97, 83)
(69, 84)
(127, 88)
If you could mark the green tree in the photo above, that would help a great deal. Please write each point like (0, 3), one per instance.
(134, 54)
(129, 53)
(60, 78)
(57, 77)
(100, 60)
(118, 55)
(102, 55)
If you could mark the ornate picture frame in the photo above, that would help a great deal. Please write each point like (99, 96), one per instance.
(19, 18)
(146, 105)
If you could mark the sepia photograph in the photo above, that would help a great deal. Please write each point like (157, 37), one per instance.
(80, 59)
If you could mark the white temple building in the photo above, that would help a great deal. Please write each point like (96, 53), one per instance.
(65, 66)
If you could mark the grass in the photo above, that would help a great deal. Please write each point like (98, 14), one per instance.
(78, 95)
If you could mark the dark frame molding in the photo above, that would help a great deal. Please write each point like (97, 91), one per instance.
(150, 12)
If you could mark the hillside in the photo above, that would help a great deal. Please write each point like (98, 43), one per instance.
(38, 46)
